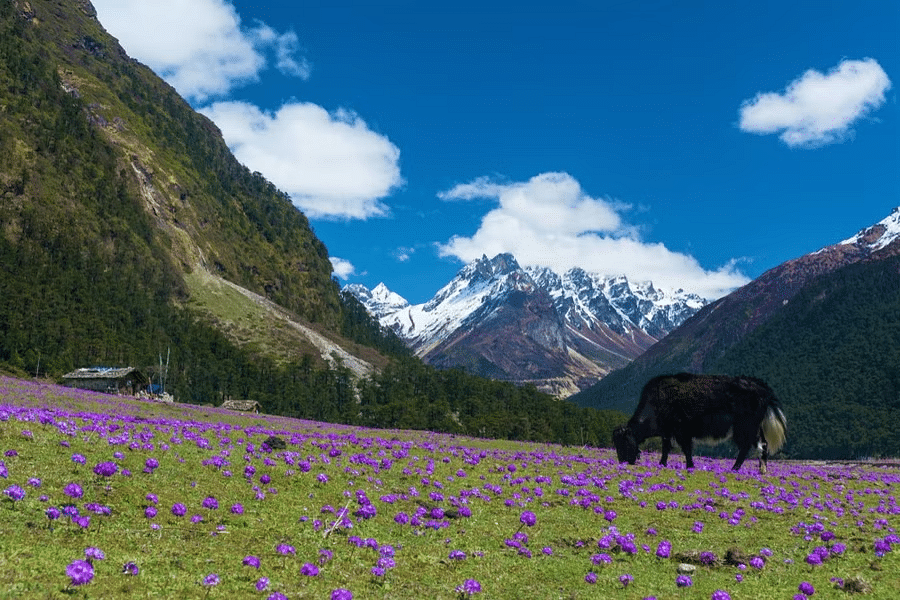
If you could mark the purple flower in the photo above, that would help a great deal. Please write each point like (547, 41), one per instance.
(806, 588)
(625, 579)
(106, 469)
(179, 509)
(196, 518)
(237, 509)
(698, 527)
(80, 572)
(79, 459)
(591, 577)
(251, 561)
(152, 498)
(73, 490)
(93, 553)
(469, 587)
(211, 580)
(150, 512)
(457, 555)
(814, 559)
(341, 594)
(610, 515)
(15, 492)
(285, 549)
(377, 571)
(757, 562)
(720, 595)
(664, 549)
(210, 503)
(262, 583)
(52, 513)
(130, 568)
(707, 558)
(309, 569)
(684, 581)
(277, 596)
(528, 518)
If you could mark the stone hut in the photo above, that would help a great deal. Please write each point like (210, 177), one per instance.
(241, 405)
(111, 380)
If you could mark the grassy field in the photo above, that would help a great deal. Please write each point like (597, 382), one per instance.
(106, 497)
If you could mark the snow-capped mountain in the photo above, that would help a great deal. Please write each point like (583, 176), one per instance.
(559, 332)
(879, 235)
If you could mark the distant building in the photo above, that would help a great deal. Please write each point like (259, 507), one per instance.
(242, 405)
(111, 380)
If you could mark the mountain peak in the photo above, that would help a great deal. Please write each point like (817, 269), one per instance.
(559, 332)
(878, 235)
(486, 268)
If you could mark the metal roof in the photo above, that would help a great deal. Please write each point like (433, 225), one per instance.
(100, 373)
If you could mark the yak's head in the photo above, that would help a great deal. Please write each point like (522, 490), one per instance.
(626, 444)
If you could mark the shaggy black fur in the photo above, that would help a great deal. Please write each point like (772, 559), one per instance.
(706, 407)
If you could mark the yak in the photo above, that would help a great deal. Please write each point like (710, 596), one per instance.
(708, 408)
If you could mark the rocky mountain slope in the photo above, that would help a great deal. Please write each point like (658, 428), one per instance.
(725, 327)
(125, 219)
(531, 325)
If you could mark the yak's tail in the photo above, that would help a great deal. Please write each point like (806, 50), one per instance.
(774, 428)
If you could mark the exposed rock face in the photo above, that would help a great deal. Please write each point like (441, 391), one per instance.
(532, 325)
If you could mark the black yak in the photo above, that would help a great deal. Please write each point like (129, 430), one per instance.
(709, 408)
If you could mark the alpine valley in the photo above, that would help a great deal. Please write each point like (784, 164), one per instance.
(530, 325)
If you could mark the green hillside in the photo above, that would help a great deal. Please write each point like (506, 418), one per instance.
(833, 356)
(129, 233)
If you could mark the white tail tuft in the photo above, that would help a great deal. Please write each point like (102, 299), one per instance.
(774, 428)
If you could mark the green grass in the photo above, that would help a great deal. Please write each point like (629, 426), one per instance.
(398, 471)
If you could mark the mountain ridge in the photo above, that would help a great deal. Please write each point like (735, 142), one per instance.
(700, 342)
(530, 324)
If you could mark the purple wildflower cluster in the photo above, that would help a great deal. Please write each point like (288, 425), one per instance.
(339, 486)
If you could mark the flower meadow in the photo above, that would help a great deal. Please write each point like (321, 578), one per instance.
(108, 497)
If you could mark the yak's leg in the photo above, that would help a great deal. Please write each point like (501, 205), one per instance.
(666, 448)
(743, 451)
(687, 446)
(763, 453)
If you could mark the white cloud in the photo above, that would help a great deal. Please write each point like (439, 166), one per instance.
(550, 221)
(331, 164)
(818, 109)
(404, 253)
(199, 46)
(342, 268)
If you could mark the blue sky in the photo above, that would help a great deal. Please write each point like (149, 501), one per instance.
(694, 144)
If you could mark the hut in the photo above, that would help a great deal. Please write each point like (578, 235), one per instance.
(241, 405)
(111, 380)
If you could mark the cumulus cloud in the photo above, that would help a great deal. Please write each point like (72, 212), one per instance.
(550, 221)
(331, 164)
(199, 46)
(818, 109)
(342, 268)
